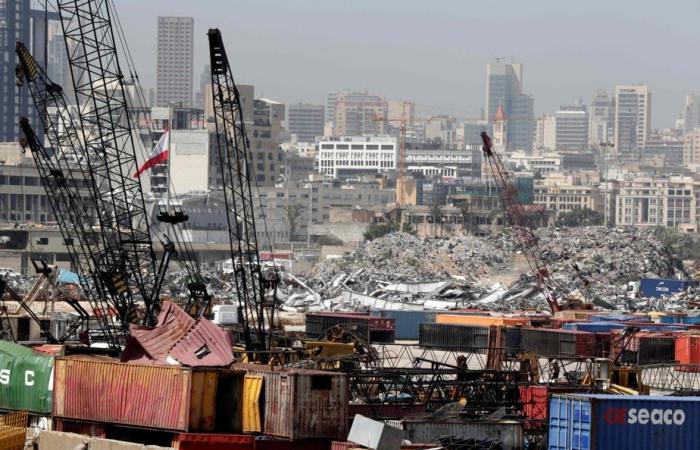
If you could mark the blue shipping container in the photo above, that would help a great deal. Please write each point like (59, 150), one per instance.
(662, 287)
(606, 422)
(594, 327)
(407, 322)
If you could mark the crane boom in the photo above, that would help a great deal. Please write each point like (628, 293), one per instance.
(238, 176)
(518, 217)
(107, 135)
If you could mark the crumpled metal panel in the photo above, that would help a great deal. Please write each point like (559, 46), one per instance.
(177, 336)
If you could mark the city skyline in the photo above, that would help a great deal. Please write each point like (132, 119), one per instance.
(398, 58)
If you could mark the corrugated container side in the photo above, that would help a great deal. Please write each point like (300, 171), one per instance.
(202, 441)
(513, 340)
(593, 327)
(29, 379)
(129, 394)
(688, 352)
(602, 422)
(510, 433)
(481, 321)
(303, 404)
(407, 322)
(453, 337)
(71, 426)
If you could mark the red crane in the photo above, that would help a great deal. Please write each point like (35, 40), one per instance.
(520, 220)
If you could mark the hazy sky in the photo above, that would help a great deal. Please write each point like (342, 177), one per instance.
(435, 52)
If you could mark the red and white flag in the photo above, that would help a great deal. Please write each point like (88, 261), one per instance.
(158, 155)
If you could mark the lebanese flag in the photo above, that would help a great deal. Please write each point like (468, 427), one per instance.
(158, 155)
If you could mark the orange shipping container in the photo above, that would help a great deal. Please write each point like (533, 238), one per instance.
(484, 321)
(688, 352)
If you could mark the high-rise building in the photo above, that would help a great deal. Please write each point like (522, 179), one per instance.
(504, 87)
(691, 113)
(17, 23)
(359, 114)
(396, 110)
(174, 65)
(691, 147)
(632, 118)
(58, 68)
(546, 133)
(572, 127)
(204, 82)
(600, 119)
(306, 121)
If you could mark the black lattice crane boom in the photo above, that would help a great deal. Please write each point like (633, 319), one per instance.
(519, 219)
(238, 179)
(106, 130)
(65, 173)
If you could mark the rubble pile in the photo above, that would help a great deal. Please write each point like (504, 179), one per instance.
(592, 264)
(403, 258)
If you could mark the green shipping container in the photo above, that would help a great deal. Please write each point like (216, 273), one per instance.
(26, 379)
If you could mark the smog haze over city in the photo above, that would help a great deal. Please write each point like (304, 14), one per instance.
(434, 53)
(349, 225)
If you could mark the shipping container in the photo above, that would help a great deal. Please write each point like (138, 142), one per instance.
(688, 352)
(645, 348)
(202, 441)
(663, 287)
(534, 398)
(71, 426)
(593, 327)
(269, 443)
(407, 322)
(509, 432)
(512, 340)
(161, 397)
(300, 404)
(453, 337)
(480, 321)
(561, 343)
(26, 377)
(618, 318)
(376, 329)
(603, 422)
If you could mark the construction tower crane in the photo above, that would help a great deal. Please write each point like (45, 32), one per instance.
(105, 123)
(238, 178)
(518, 218)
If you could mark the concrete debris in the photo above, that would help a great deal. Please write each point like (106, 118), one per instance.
(400, 271)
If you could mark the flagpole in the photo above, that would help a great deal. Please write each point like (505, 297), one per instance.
(169, 131)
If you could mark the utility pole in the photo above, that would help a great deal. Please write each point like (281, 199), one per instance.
(605, 146)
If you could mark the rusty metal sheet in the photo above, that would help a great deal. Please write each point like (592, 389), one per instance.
(106, 391)
(177, 336)
(205, 344)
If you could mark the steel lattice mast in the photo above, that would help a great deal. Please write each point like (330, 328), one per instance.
(237, 175)
(71, 192)
(107, 135)
(518, 217)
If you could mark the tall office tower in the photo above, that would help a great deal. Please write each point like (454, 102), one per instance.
(58, 68)
(600, 119)
(14, 102)
(691, 113)
(632, 118)
(204, 80)
(359, 114)
(174, 69)
(572, 127)
(504, 87)
(306, 121)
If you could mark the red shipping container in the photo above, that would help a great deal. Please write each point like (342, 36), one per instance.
(279, 444)
(688, 352)
(535, 398)
(201, 441)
